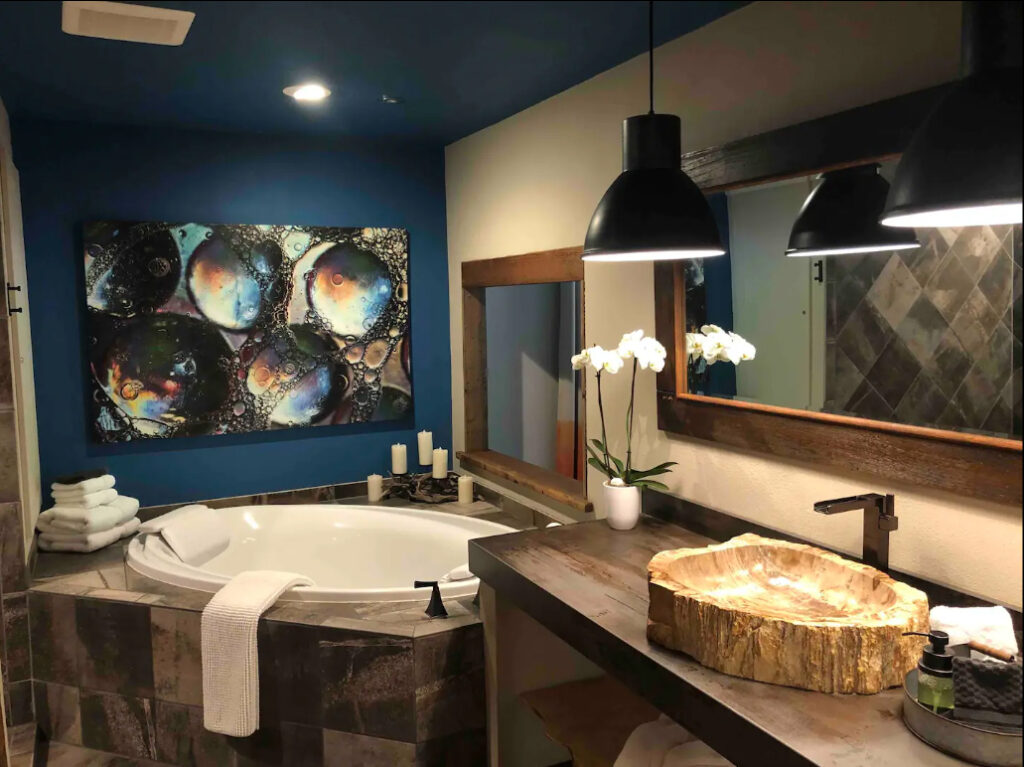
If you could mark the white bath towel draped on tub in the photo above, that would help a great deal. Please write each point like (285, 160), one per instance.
(231, 683)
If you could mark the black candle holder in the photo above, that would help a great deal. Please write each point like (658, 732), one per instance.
(423, 488)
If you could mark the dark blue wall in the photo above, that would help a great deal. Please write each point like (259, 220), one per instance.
(718, 283)
(72, 173)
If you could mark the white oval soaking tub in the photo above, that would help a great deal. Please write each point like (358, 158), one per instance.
(352, 553)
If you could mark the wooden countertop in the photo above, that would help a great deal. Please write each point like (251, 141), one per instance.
(588, 585)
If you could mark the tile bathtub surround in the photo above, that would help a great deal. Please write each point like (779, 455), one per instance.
(118, 670)
(931, 336)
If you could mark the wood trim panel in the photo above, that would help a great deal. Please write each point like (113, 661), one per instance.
(560, 265)
(870, 133)
(550, 484)
(474, 366)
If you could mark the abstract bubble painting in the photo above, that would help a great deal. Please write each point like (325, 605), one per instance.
(198, 329)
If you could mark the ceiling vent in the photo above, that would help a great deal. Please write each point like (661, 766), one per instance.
(123, 21)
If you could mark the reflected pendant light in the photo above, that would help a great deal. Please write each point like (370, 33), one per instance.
(963, 166)
(841, 216)
(652, 211)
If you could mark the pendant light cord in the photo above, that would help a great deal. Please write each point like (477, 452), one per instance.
(650, 51)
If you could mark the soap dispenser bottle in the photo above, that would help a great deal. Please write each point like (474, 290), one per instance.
(935, 673)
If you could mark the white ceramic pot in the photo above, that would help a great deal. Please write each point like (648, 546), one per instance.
(622, 506)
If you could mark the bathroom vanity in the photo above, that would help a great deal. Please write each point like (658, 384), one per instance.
(586, 584)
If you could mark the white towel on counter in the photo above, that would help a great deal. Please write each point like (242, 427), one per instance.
(156, 524)
(648, 744)
(663, 743)
(78, 519)
(695, 754)
(91, 485)
(87, 500)
(231, 683)
(86, 542)
(197, 536)
(990, 626)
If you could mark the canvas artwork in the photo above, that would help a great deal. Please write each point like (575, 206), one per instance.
(200, 329)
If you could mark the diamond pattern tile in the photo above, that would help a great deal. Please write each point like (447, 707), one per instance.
(949, 287)
(922, 329)
(975, 322)
(930, 336)
(996, 284)
(923, 404)
(894, 372)
(894, 292)
(864, 336)
(975, 248)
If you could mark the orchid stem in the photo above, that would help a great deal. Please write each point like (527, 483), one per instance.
(604, 434)
(629, 425)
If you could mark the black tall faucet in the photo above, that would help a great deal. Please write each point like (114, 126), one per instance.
(879, 520)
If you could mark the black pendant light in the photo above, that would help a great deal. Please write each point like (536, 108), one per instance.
(963, 166)
(652, 211)
(841, 216)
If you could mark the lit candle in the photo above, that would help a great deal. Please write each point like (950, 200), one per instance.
(425, 440)
(399, 461)
(375, 487)
(440, 463)
(465, 490)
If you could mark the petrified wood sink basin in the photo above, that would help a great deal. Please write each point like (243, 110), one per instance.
(786, 613)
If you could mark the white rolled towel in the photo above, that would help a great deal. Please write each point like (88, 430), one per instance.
(197, 536)
(649, 743)
(88, 500)
(231, 680)
(90, 485)
(86, 542)
(78, 519)
(990, 626)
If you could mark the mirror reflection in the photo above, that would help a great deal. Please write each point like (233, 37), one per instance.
(534, 406)
(924, 332)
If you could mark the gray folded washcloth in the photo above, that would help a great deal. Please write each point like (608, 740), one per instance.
(987, 691)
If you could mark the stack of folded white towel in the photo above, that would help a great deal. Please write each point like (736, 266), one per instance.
(87, 515)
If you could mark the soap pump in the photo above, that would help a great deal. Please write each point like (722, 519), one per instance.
(935, 672)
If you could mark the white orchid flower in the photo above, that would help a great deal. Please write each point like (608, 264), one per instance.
(746, 349)
(694, 345)
(612, 362)
(605, 360)
(581, 360)
(710, 330)
(651, 354)
(629, 344)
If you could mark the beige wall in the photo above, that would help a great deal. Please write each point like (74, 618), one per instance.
(532, 181)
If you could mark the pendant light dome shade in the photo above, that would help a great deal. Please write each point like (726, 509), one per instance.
(652, 211)
(841, 216)
(963, 166)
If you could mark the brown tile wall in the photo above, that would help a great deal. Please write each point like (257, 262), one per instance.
(125, 677)
(930, 336)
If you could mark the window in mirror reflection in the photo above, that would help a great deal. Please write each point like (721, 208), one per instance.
(533, 394)
(929, 336)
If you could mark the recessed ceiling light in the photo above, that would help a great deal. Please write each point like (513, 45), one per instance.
(307, 92)
(386, 99)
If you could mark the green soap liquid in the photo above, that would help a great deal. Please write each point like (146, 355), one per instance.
(935, 692)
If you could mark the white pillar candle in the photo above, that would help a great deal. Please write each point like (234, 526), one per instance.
(425, 441)
(375, 487)
(399, 459)
(440, 463)
(465, 490)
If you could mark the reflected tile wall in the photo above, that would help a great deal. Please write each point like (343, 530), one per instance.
(930, 336)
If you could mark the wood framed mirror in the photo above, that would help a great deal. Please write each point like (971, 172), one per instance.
(525, 414)
(905, 365)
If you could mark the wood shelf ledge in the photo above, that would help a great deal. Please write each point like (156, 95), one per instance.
(550, 484)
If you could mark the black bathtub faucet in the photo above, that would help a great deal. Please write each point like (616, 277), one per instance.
(435, 609)
(879, 520)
